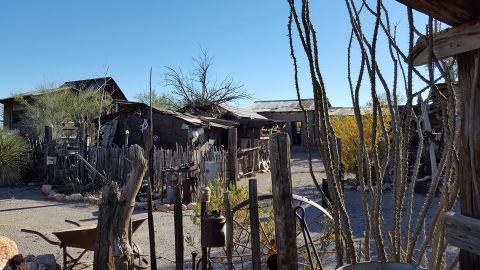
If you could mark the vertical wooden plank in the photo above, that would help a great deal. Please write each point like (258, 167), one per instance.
(178, 221)
(229, 216)
(285, 235)
(232, 156)
(469, 146)
(254, 224)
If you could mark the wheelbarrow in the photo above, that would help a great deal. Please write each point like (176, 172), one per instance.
(84, 237)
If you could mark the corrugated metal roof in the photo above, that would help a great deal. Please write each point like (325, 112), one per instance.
(282, 105)
(242, 112)
(294, 106)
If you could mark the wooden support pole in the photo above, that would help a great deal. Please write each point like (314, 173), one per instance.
(120, 242)
(232, 156)
(151, 184)
(469, 146)
(178, 223)
(254, 224)
(102, 258)
(203, 209)
(229, 217)
(48, 151)
(285, 234)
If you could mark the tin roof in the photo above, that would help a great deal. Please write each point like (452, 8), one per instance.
(292, 105)
(242, 112)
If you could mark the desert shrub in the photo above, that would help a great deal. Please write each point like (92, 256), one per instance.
(345, 127)
(14, 151)
(237, 195)
(59, 108)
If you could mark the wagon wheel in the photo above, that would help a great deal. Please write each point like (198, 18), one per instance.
(310, 253)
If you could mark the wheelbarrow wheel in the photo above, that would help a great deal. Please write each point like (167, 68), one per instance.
(139, 260)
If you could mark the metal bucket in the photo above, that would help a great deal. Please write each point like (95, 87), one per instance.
(214, 230)
(381, 266)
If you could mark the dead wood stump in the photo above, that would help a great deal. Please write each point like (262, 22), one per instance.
(113, 249)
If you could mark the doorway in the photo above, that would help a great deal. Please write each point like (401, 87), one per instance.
(296, 133)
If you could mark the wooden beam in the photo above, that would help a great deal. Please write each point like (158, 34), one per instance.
(449, 42)
(285, 233)
(452, 12)
(463, 232)
(469, 147)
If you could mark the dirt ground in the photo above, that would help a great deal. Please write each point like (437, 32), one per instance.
(26, 208)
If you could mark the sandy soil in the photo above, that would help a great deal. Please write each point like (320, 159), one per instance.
(25, 207)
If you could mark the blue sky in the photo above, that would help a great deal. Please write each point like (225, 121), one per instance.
(55, 41)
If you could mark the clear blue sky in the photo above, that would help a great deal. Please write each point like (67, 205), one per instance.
(56, 41)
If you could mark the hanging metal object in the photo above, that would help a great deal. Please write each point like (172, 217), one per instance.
(214, 230)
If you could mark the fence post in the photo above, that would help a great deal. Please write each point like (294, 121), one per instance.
(229, 216)
(178, 221)
(254, 224)
(232, 156)
(48, 151)
(285, 235)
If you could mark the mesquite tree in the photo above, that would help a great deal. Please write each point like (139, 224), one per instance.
(197, 92)
(402, 241)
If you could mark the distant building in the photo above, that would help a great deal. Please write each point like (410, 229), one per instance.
(290, 112)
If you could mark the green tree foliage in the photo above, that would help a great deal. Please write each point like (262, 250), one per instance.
(60, 108)
(13, 156)
(159, 100)
(345, 127)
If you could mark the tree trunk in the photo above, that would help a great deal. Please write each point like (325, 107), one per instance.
(103, 255)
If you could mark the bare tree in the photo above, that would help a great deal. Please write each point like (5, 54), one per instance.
(197, 92)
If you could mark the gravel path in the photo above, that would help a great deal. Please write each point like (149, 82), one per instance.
(27, 208)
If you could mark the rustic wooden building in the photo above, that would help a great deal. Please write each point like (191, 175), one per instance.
(290, 113)
(14, 112)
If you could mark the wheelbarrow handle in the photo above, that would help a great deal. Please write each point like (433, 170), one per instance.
(73, 222)
(42, 236)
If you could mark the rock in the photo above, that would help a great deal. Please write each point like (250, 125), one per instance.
(47, 261)
(92, 199)
(163, 207)
(46, 189)
(59, 197)
(51, 194)
(8, 249)
(184, 207)
(74, 197)
(191, 206)
(171, 207)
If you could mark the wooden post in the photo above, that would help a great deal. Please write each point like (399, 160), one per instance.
(229, 216)
(285, 234)
(102, 258)
(48, 152)
(232, 156)
(120, 242)
(254, 224)
(178, 223)
(469, 149)
(82, 150)
(203, 209)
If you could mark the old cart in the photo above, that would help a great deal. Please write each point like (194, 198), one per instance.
(83, 237)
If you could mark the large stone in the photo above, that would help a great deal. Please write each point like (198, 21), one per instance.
(46, 262)
(74, 197)
(46, 189)
(8, 249)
